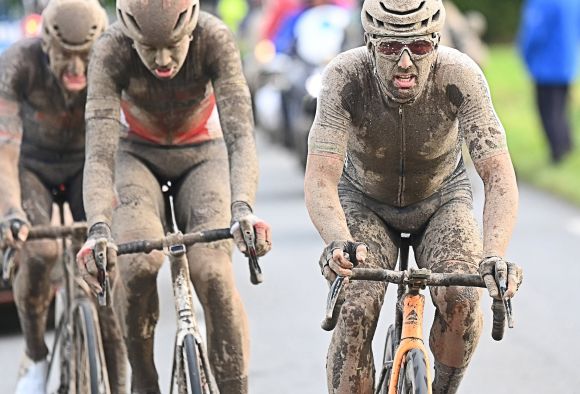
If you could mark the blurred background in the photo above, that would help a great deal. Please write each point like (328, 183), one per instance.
(285, 45)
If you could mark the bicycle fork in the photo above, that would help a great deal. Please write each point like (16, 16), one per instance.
(413, 306)
(186, 323)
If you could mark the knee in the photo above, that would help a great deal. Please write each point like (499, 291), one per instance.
(212, 274)
(360, 311)
(139, 272)
(40, 255)
(459, 306)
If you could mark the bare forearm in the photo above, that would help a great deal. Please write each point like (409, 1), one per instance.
(237, 123)
(98, 180)
(322, 201)
(10, 202)
(501, 204)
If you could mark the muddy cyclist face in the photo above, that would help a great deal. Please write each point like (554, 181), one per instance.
(403, 66)
(69, 67)
(163, 62)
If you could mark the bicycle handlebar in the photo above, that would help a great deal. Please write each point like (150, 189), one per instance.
(53, 232)
(146, 246)
(407, 277)
(399, 277)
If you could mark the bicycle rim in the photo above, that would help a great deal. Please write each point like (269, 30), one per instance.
(413, 375)
(388, 355)
(90, 369)
(192, 366)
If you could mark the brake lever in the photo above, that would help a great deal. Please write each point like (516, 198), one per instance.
(100, 253)
(501, 280)
(255, 270)
(8, 264)
(331, 316)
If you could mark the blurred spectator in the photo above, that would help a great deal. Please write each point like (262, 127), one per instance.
(549, 43)
(463, 32)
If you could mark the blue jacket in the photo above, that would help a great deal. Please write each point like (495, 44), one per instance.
(549, 39)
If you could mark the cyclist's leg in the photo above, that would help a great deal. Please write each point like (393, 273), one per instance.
(113, 344)
(37, 258)
(451, 242)
(203, 202)
(138, 215)
(349, 363)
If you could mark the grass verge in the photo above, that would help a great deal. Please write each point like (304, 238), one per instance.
(514, 101)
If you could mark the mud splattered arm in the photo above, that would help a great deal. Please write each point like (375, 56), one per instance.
(235, 111)
(327, 148)
(10, 133)
(486, 140)
(501, 203)
(321, 196)
(102, 117)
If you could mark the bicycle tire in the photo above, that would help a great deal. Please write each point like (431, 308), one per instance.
(388, 355)
(89, 363)
(192, 365)
(413, 375)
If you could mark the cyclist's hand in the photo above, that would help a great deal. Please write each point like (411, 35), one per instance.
(488, 272)
(14, 230)
(99, 237)
(337, 258)
(244, 220)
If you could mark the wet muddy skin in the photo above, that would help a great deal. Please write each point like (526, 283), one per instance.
(397, 168)
(42, 147)
(170, 132)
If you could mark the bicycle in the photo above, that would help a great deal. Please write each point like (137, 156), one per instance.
(191, 371)
(405, 368)
(77, 333)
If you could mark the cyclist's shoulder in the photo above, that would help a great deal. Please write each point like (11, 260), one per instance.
(210, 29)
(25, 52)
(456, 68)
(112, 41)
(350, 65)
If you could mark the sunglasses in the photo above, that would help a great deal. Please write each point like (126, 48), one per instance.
(395, 48)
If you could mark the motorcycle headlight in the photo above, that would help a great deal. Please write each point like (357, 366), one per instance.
(314, 84)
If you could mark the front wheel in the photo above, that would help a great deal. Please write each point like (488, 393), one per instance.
(90, 372)
(413, 375)
(192, 365)
(389, 354)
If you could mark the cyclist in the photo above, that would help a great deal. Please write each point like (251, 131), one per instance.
(42, 137)
(385, 159)
(169, 68)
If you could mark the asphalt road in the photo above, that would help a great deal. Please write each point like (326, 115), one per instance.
(540, 355)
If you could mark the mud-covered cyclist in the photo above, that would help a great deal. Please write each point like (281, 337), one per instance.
(385, 158)
(157, 79)
(42, 137)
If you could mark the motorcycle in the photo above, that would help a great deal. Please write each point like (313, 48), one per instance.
(285, 102)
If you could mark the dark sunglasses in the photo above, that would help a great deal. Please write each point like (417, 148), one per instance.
(395, 48)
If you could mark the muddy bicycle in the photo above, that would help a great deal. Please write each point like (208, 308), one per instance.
(77, 343)
(191, 370)
(405, 367)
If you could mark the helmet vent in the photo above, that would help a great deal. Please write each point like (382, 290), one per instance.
(407, 26)
(397, 12)
(180, 20)
(133, 22)
(436, 16)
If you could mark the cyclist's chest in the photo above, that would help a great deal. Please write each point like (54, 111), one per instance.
(49, 121)
(415, 132)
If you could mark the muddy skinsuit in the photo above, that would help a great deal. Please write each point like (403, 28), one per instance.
(173, 134)
(42, 129)
(403, 172)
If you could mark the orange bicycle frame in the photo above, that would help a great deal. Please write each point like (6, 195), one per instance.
(411, 337)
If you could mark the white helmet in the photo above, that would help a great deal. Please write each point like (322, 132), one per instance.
(73, 25)
(158, 22)
(402, 18)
